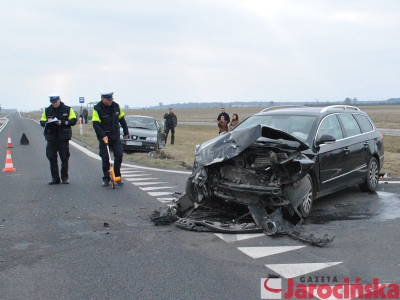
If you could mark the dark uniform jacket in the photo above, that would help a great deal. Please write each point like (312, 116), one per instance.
(53, 131)
(106, 120)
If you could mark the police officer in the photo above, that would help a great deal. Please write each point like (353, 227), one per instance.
(57, 120)
(107, 115)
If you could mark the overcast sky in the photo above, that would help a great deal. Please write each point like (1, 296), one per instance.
(148, 52)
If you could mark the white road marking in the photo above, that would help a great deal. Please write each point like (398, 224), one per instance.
(147, 183)
(257, 252)
(139, 179)
(157, 194)
(153, 188)
(389, 182)
(294, 270)
(229, 238)
(134, 175)
(166, 199)
(132, 172)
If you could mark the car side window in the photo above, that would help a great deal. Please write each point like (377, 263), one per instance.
(364, 123)
(330, 125)
(350, 124)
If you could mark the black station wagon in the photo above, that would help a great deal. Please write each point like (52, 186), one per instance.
(275, 163)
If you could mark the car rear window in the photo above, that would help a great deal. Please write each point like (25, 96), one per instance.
(364, 123)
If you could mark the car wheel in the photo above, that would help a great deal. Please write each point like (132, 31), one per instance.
(372, 178)
(307, 202)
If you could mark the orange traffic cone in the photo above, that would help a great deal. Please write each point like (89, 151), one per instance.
(9, 165)
(9, 144)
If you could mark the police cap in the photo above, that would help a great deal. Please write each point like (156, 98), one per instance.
(54, 98)
(108, 95)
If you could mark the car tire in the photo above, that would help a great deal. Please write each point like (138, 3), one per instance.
(372, 178)
(307, 202)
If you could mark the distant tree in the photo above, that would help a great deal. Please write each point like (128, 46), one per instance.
(271, 103)
(161, 104)
(355, 100)
(347, 101)
(126, 107)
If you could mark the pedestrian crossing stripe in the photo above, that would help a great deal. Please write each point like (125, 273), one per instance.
(166, 200)
(294, 270)
(139, 179)
(257, 252)
(152, 188)
(147, 183)
(135, 175)
(156, 194)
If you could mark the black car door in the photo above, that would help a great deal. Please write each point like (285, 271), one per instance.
(357, 146)
(333, 157)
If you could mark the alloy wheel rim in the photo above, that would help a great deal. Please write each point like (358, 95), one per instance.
(307, 202)
(373, 174)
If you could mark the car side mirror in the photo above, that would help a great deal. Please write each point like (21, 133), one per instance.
(326, 139)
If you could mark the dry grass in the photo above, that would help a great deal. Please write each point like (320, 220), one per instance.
(181, 155)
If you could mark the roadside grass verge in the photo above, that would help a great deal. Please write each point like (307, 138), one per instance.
(181, 154)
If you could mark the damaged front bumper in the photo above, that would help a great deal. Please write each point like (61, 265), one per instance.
(248, 181)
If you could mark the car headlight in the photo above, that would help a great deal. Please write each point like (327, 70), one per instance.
(151, 138)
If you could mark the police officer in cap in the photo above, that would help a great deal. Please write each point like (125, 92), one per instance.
(107, 116)
(57, 120)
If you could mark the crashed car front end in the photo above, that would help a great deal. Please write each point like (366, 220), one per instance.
(250, 180)
(259, 168)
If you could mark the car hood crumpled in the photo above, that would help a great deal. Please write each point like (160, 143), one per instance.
(231, 144)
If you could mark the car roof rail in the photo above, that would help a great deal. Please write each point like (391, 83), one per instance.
(281, 107)
(339, 107)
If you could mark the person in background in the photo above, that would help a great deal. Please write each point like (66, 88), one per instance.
(85, 115)
(80, 115)
(57, 120)
(107, 116)
(223, 113)
(170, 123)
(234, 122)
(223, 125)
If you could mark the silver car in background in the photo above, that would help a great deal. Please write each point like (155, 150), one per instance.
(144, 134)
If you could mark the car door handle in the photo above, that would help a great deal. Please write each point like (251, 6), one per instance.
(366, 144)
(347, 150)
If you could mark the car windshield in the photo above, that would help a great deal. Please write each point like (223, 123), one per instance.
(141, 122)
(297, 126)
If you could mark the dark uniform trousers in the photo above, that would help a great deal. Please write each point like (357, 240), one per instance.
(62, 147)
(116, 148)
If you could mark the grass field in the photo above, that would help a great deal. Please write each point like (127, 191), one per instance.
(181, 154)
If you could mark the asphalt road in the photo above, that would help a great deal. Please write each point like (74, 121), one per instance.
(54, 245)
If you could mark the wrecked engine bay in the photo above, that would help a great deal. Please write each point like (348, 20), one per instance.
(250, 180)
